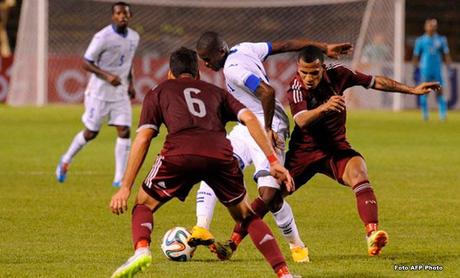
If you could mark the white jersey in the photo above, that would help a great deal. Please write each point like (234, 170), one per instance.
(114, 53)
(243, 71)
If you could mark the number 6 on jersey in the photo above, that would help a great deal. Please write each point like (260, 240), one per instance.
(199, 110)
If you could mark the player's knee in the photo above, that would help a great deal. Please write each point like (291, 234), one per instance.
(123, 132)
(358, 175)
(90, 135)
(271, 197)
(277, 202)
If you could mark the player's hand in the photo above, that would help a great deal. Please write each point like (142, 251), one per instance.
(334, 104)
(335, 50)
(282, 175)
(119, 202)
(277, 142)
(426, 87)
(114, 80)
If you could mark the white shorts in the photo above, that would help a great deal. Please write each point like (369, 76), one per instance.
(119, 113)
(247, 151)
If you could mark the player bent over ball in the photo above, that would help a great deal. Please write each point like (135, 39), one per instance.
(196, 149)
(318, 143)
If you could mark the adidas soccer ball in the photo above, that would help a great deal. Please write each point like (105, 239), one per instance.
(175, 246)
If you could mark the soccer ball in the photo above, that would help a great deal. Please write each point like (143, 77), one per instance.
(175, 246)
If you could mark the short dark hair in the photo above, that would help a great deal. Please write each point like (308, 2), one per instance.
(183, 60)
(209, 40)
(310, 54)
(120, 3)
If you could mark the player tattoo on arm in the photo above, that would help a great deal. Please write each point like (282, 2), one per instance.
(383, 83)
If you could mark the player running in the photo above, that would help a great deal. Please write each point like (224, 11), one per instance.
(318, 143)
(109, 58)
(247, 81)
(196, 148)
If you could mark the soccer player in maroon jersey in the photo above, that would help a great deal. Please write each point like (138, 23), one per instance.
(318, 143)
(196, 149)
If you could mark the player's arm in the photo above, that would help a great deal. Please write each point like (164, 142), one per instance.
(105, 75)
(266, 94)
(383, 83)
(331, 50)
(447, 59)
(139, 149)
(306, 117)
(260, 137)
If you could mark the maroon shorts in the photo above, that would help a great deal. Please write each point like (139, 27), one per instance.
(333, 166)
(174, 176)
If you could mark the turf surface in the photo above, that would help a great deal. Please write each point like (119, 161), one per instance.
(49, 229)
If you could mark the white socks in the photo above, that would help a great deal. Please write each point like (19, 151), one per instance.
(121, 157)
(205, 204)
(77, 144)
(285, 221)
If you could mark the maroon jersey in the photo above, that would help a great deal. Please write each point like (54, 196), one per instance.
(327, 134)
(195, 113)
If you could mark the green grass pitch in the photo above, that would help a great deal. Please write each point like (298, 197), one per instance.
(49, 229)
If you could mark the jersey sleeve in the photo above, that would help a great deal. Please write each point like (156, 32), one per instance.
(444, 46)
(95, 48)
(262, 49)
(355, 78)
(418, 48)
(231, 108)
(151, 116)
(296, 100)
(242, 77)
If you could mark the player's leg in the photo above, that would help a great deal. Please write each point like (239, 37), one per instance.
(269, 189)
(205, 204)
(120, 116)
(442, 104)
(424, 99)
(165, 180)
(226, 179)
(261, 236)
(141, 229)
(122, 147)
(206, 198)
(355, 176)
(92, 119)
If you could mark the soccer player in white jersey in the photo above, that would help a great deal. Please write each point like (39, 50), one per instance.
(247, 80)
(109, 58)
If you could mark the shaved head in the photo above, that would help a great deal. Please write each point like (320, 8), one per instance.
(210, 41)
(213, 50)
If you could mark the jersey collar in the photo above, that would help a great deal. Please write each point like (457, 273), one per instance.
(123, 34)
